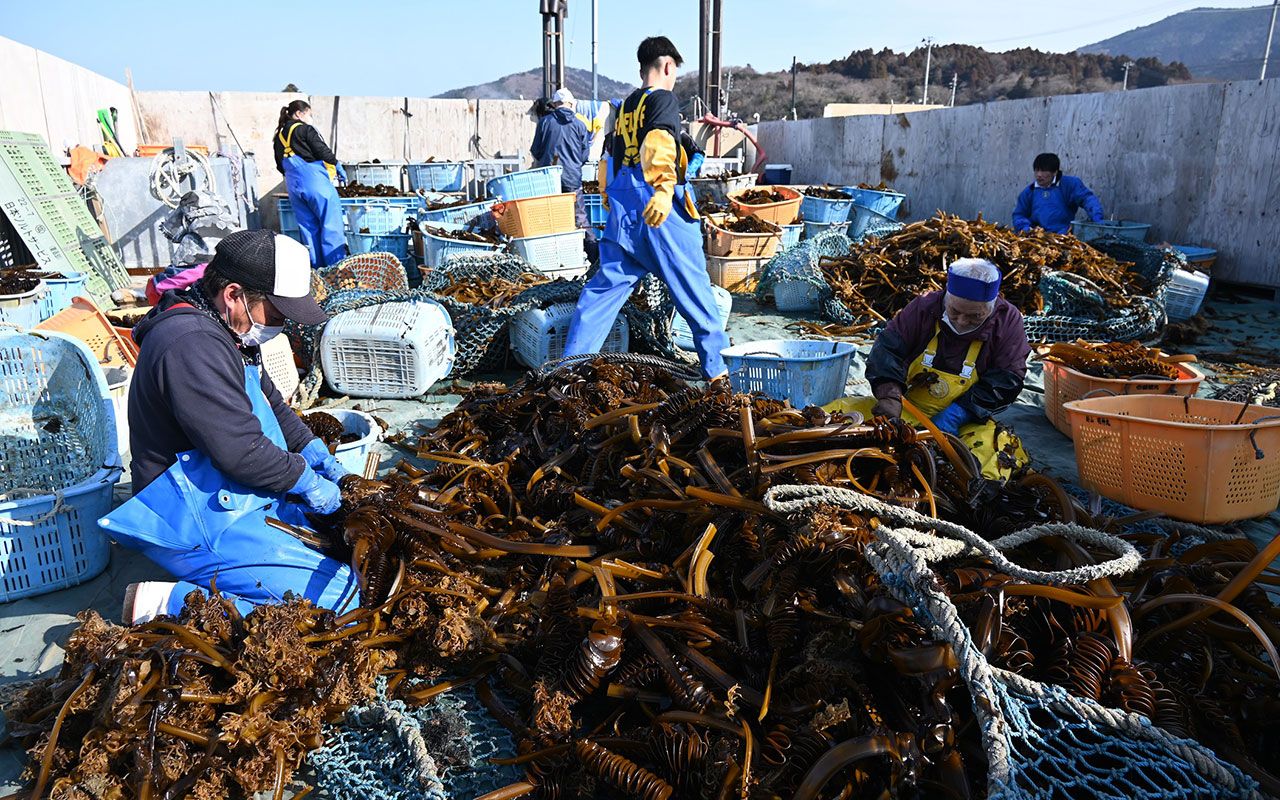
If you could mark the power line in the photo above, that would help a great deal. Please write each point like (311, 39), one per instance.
(1091, 24)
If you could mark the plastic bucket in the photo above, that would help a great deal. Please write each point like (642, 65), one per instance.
(1088, 231)
(802, 372)
(436, 176)
(24, 310)
(59, 291)
(886, 203)
(352, 455)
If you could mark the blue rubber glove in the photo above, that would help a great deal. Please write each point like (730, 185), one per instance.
(320, 496)
(951, 418)
(322, 461)
(341, 173)
(695, 165)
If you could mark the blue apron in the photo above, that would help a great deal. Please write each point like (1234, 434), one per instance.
(315, 204)
(630, 248)
(200, 525)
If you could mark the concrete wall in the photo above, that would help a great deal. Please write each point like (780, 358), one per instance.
(1198, 161)
(367, 127)
(44, 94)
(856, 109)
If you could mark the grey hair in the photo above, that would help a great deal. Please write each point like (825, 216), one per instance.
(979, 269)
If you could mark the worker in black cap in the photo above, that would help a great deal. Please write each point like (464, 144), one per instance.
(216, 450)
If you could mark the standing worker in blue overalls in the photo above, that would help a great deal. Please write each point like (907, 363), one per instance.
(1052, 199)
(309, 169)
(653, 222)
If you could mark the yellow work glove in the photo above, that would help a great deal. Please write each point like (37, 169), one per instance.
(656, 212)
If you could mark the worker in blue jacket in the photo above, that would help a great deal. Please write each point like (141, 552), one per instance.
(1052, 200)
(562, 138)
(653, 224)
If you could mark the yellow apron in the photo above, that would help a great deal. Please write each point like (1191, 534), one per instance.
(998, 450)
(287, 141)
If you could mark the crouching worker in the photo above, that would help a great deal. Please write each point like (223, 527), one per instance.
(959, 357)
(216, 451)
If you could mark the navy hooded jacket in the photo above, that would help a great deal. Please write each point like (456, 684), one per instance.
(562, 138)
(1054, 207)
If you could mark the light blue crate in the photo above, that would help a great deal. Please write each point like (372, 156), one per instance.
(596, 212)
(791, 235)
(1088, 231)
(23, 310)
(886, 203)
(802, 372)
(59, 291)
(378, 217)
(863, 219)
(527, 183)
(438, 249)
(820, 209)
(49, 535)
(370, 174)
(436, 176)
(397, 244)
(457, 215)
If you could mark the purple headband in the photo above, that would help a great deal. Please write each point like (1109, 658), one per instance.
(973, 289)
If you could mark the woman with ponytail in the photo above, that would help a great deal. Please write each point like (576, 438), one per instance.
(309, 167)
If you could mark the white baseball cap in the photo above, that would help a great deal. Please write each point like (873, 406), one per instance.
(563, 95)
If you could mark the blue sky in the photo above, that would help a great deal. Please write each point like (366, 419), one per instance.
(399, 47)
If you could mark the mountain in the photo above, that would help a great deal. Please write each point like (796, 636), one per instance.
(528, 85)
(1221, 43)
(867, 76)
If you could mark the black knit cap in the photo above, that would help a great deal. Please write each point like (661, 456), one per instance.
(264, 261)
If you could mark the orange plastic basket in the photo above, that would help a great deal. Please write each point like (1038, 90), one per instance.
(1204, 461)
(1062, 384)
(86, 322)
(738, 275)
(536, 216)
(783, 212)
(721, 242)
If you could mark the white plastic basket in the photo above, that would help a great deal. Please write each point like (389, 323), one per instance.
(803, 372)
(388, 350)
(560, 255)
(682, 335)
(1185, 294)
(538, 335)
(277, 362)
(352, 455)
(796, 296)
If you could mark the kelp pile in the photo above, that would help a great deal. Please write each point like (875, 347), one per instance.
(357, 189)
(881, 275)
(491, 292)
(1115, 359)
(592, 558)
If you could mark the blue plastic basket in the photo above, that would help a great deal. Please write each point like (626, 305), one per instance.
(1088, 231)
(24, 310)
(378, 218)
(288, 220)
(812, 229)
(438, 249)
(352, 455)
(864, 218)
(436, 176)
(529, 183)
(886, 203)
(802, 372)
(819, 209)
(457, 215)
(791, 235)
(370, 174)
(55, 481)
(596, 212)
(1196, 255)
(59, 291)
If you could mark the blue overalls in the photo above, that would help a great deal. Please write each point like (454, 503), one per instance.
(315, 203)
(200, 526)
(630, 248)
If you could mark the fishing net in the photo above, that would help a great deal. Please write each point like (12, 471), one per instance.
(388, 751)
(1262, 390)
(800, 264)
(1040, 741)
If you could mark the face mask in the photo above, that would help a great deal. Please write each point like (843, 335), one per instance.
(957, 331)
(257, 333)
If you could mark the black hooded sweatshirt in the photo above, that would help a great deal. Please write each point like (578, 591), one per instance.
(188, 393)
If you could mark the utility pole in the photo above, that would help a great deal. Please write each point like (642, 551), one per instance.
(1128, 65)
(928, 56)
(595, 50)
(1275, 6)
(955, 79)
(793, 86)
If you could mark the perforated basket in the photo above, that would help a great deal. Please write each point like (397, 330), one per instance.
(864, 218)
(388, 350)
(58, 463)
(722, 242)
(456, 215)
(717, 188)
(597, 214)
(58, 292)
(536, 216)
(682, 334)
(1184, 294)
(527, 183)
(378, 216)
(278, 363)
(352, 455)
(804, 373)
(437, 176)
(538, 334)
(560, 255)
(386, 173)
(782, 212)
(886, 203)
(1088, 231)
(23, 310)
(791, 235)
(438, 249)
(796, 295)
(821, 209)
(1063, 385)
(86, 322)
(1204, 461)
(813, 230)
(738, 275)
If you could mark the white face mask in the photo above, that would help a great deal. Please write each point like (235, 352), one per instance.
(257, 333)
(957, 331)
